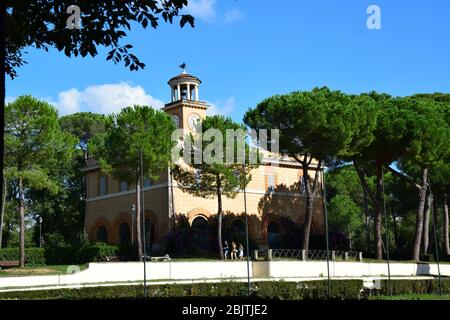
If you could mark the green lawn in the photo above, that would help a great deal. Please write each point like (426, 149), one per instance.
(412, 297)
(36, 270)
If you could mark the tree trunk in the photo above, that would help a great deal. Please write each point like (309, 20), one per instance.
(426, 222)
(420, 217)
(431, 240)
(138, 217)
(21, 225)
(379, 195)
(310, 195)
(376, 203)
(394, 220)
(2, 90)
(367, 220)
(2, 210)
(446, 244)
(219, 218)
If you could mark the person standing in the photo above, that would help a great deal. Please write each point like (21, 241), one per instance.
(241, 251)
(233, 251)
(225, 250)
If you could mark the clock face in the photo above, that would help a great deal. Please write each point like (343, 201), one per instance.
(193, 120)
(176, 120)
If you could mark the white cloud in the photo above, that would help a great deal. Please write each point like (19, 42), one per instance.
(202, 9)
(234, 15)
(105, 98)
(221, 108)
(9, 99)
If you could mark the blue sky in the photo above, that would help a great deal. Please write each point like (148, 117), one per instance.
(247, 50)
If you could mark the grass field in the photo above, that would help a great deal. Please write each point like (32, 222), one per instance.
(36, 271)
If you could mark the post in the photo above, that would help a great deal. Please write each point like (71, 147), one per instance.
(333, 255)
(255, 255)
(133, 212)
(304, 255)
(386, 234)
(246, 230)
(360, 257)
(325, 213)
(441, 291)
(143, 226)
(269, 254)
(346, 255)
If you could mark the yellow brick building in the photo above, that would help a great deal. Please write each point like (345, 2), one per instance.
(274, 191)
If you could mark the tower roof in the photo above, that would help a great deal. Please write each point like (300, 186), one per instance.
(184, 77)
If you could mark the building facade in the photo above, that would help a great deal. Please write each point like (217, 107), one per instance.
(274, 193)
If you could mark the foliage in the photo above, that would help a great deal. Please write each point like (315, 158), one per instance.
(35, 256)
(280, 290)
(400, 287)
(43, 25)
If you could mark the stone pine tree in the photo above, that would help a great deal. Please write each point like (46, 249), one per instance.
(440, 184)
(214, 175)
(428, 149)
(51, 24)
(315, 126)
(35, 146)
(119, 150)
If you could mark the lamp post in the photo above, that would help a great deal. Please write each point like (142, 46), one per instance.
(133, 212)
(246, 232)
(325, 213)
(143, 225)
(40, 232)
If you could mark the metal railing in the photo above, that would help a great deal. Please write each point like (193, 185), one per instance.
(307, 255)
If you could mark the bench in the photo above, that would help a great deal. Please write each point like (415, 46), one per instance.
(163, 258)
(9, 264)
(112, 259)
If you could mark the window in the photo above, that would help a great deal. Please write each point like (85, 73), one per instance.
(124, 233)
(123, 186)
(270, 183)
(102, 185)
(147, 182)
(101, 235)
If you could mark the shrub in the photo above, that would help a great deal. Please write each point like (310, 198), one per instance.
(426, 257)
(33, 256)
(79, 255)
(400, 287)
(341, 289)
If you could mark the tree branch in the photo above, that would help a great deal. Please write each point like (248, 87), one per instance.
(404, 177)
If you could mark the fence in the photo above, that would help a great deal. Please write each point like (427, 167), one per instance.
(307, 255)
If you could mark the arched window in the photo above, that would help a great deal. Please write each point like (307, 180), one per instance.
(101, 234)
(201, 227)
(274, 236)
(124, 233)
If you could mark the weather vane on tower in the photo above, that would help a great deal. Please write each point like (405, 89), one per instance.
(183, 67)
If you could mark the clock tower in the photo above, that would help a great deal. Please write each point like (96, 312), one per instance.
(185, 106)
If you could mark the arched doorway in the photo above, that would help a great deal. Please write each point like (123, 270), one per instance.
(123, 233)
(101, 234)
(149, 235)
(274, 235)
(201, 228)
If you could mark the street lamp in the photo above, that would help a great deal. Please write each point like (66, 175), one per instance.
(133, 212)
(40, 232)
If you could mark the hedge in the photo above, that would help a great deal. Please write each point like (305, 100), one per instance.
(340, 289)
(60, 255)
(34, 256)
(400, 287)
